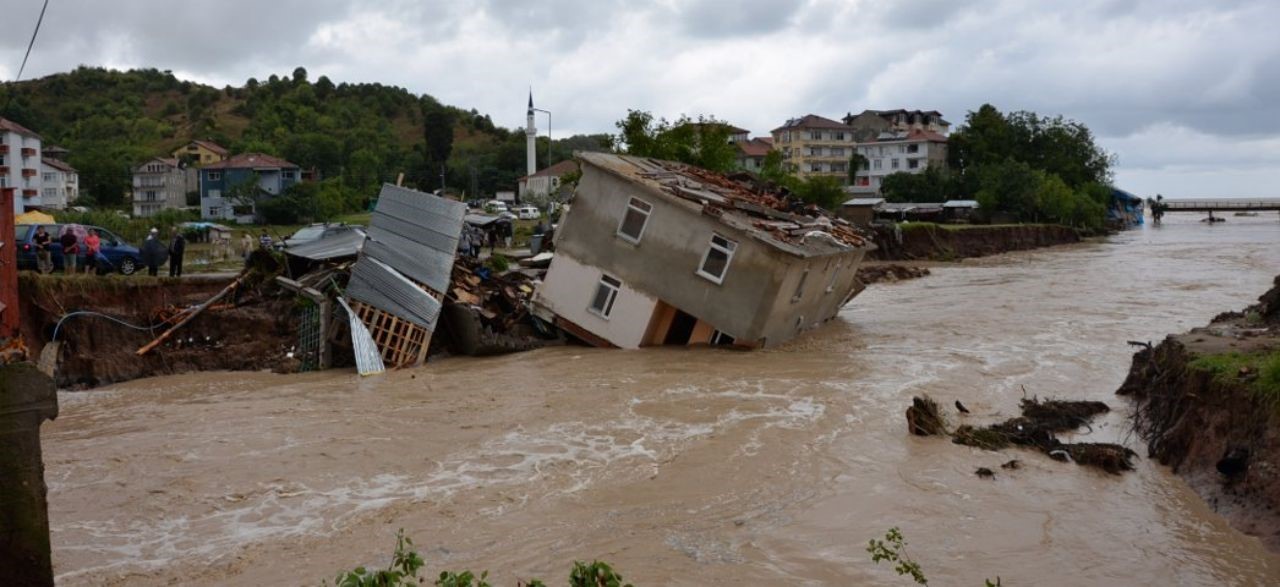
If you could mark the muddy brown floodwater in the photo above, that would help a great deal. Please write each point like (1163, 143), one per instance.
(683, 467)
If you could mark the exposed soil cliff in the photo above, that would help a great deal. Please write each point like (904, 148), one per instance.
(1208, 405)
(922, 240)
(257, 332)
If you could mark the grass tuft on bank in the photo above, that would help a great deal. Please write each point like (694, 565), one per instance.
(1260, 372)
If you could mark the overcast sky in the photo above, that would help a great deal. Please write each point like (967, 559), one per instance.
(1185, 93)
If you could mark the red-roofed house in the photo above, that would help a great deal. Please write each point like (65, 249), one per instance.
(902, 152)
(201, 153)
(20, 165)
(751, 153)
(547, 181)
(272, 174)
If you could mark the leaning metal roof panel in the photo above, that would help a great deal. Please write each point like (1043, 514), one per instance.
(377, 284)
(346, 244)
(433, 271)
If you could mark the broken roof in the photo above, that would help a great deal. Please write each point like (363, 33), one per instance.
(416, 233)
(758, 210)
(346, 244)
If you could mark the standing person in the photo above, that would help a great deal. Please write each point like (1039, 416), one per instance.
(44, 259)
(507, 234)
(264, 240)
(70, 249)
(493, 239)
(92, 249)
(246, 246)
(153, 252)
(177, 246)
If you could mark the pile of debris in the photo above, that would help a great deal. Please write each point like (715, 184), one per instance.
(1037, 428)
(487, 310)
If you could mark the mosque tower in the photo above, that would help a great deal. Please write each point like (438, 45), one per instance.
(531, 138)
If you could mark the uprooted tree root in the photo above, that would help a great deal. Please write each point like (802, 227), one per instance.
(1037, 428)
(924, 417)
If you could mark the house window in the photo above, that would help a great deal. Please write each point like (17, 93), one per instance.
(815, 135)
(837, 151)
(288, 175)
(215, 176)
(913, 163)
(719, 338)
(875, 164)
(913, 148)
(800, 287)
(606, 294)
(716, 262)
(636, 218)
(839, 136)
(215, 211)
(895, 164)
(815, 167)
(48, 177)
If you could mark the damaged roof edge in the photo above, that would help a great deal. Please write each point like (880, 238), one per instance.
(733, 211)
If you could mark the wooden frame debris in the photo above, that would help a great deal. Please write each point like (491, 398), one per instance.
(403, 343)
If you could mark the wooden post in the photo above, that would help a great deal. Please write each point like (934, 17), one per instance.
(196, 312)
(8, 268)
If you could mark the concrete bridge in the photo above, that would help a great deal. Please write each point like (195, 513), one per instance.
(1221, 205)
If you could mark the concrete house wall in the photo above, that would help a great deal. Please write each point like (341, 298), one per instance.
(753, 303)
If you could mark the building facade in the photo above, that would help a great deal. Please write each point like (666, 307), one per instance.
(813, 146)
(907, 152)
(872, 123)
(60, 184)
(658, 253)
(546, 182)
(200, 153)
(229, 189)
(159, 184)
(20, 165)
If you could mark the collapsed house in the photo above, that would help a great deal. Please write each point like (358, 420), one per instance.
(404, 268)
(661, 253)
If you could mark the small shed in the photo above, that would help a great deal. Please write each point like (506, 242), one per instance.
(859, 211)
(959, 210)
(910, 211)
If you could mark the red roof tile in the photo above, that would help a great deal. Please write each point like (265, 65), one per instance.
(756, 147)
(813, 121)
(252, 161)
(57, 164)
(212, 146)
(11, 126)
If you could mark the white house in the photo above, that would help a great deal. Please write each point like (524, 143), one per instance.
(20, 165)
(898, 152)
(60, 184)
(545, 182)
(159, 184)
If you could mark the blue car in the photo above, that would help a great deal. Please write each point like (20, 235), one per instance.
(121, 256)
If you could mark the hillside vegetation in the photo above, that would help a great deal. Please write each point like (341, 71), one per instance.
(355, 135)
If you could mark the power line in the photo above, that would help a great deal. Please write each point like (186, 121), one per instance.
(33, 41)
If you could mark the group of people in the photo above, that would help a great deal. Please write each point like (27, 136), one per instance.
(155, 253)
(474, 238)
(74, 248)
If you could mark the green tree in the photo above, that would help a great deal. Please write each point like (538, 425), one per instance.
(857, 162)
(824, 190)
(930, 185)
(703, 142)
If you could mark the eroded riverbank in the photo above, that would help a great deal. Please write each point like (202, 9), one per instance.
(681, 466)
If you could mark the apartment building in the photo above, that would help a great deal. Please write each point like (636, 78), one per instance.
(868, 125)
(902, 152)
(159, 184)
(813, 146)
(60, 184)
(20, 165)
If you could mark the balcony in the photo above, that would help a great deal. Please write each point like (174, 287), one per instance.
(28, 152)
(4, 170)
(4, 149)
(28, 172)
(29, 193)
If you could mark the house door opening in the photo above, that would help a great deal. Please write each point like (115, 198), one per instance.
(681, 329)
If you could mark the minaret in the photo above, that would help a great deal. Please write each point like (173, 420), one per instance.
(531, 138)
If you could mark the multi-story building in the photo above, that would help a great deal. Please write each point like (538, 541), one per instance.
(230, 188)
(902, 152)
(60, 184)
(813, 146)
(20, 165)
(159, 184)
(200, 153)
(870, 123)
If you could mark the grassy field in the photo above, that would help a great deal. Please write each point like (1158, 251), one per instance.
(1259, 371)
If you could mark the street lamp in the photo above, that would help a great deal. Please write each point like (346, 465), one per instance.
(548, 113)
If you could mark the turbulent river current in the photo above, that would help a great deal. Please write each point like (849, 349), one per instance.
(684, 466)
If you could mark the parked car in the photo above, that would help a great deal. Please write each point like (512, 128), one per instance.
(495, 206)
(122, 256)
(316, 232)
(528, 213)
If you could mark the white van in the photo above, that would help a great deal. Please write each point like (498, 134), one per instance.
(528, 213)
(495, 206)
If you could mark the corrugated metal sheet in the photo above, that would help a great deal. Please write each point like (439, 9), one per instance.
(346, 244)
(368, 359)
(377, 284)
(432, 271)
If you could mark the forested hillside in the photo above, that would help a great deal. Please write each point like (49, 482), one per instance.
(356, 135)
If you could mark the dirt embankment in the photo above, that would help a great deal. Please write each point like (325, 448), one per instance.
(256, 333)
(922, 240)
(1207, 402)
